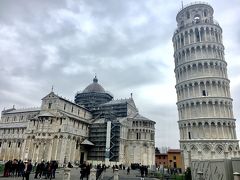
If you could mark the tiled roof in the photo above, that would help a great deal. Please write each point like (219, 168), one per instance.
(140, 117)
(46, 114)
(161, 154)
(73, 116)
(65, 99)
(87, 142)
(14, 125)
(23, 110)
(174, 150)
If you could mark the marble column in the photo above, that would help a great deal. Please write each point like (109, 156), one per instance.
(50, 147)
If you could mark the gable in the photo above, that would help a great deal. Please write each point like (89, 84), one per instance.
(51, 95)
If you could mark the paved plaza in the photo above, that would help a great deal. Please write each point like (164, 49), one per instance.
(75, 175)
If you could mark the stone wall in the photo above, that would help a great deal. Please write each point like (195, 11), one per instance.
(236, 165)
(218, 169)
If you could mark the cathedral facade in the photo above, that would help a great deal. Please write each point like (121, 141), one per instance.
(206, 122)
(95, 128)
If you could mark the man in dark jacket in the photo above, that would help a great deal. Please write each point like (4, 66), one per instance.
(142, 172)
(82, 171)
(21, 167)
(88, 167)
(55, 166)
(37, 172)
(28, 169)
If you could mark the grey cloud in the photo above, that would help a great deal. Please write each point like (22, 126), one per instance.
(166, 124)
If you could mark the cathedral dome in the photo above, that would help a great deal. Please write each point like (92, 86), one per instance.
(94, 87)
(93, 95)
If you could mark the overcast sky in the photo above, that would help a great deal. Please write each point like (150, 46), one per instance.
(126, 43)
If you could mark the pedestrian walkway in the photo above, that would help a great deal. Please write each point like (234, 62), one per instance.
(134, 174)
(75, 175)
(108, 174)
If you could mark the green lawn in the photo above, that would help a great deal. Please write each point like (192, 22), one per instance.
(159, 176)
(1, 169)
(178, 177)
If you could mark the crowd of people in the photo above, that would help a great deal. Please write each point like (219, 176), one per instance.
(46, 170)
(143, 171)
(19, 168)
(85, 170)
(14, 168)
(86, 167)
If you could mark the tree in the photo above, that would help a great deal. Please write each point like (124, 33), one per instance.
(157, 150)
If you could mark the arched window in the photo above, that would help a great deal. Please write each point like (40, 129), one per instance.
(77, 144)
(138, 135)
(188, 15)
(205, 13)
(197, 18)
(182, 23)
(197, 35)
(219, 149)
(206, 148)
(194, 148)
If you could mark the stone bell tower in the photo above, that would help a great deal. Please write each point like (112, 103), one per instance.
(206, 122)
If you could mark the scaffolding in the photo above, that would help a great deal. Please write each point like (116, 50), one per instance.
(118, 109)
(98, 136)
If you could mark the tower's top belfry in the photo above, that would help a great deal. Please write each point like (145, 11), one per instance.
(194, 13)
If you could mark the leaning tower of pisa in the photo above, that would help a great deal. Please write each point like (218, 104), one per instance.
(206, 122)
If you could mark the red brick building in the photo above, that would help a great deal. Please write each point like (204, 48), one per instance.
(161, 159)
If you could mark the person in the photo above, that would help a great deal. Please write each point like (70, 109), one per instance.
(37, 172)
(88, 167)
(25, 169)
(45, 171)
(21, 167)
(6, 169)
(14, 167)
(145, 170)
(49, 170)
(128, 170)
(55, 166)
(42, 167)
(28, 169)
(113, 168)
(99, 170)
(142, 172)
(69, 165)
(82, 170)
